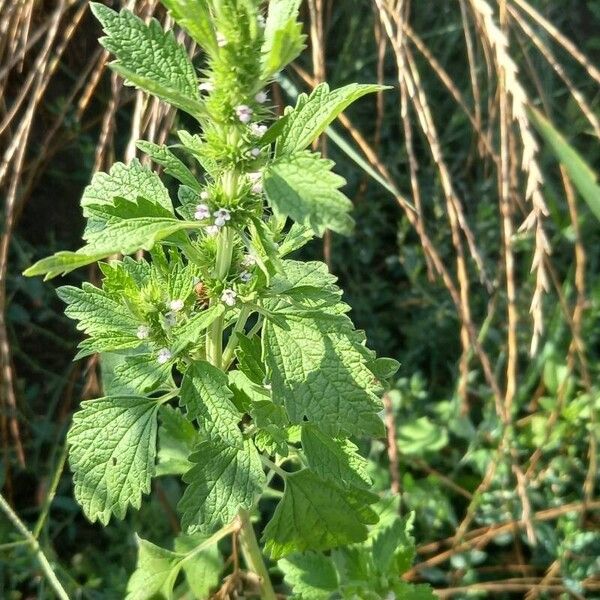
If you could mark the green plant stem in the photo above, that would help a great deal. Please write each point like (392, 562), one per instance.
(233, 340)
(253, 556)
(60, 465)
(35, 546)
(214, 335)
(211, 541)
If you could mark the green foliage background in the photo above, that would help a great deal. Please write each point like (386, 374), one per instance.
(446, 438)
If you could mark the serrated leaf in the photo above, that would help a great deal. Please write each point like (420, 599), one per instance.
(61, 263)
(197, 147)
(176, 440)
(189, 332)
(336, 460)
(108, 322)
(150, 58)
(223, 480)
(408, 591)
(249, 359)
(112, 444)
(284, 39)
(208, 399)
(314, 113)
(303, 187)
(173, 166)
(297, 237)
(131, 182)
(133, 234)
(203, 569)
(311, 576)
(194, 17)
(155, 574)
(320, 374)
(132, 375)
(317, 515)
(421, 435)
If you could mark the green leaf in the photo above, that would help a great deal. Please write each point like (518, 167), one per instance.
(208, 399)
(249, 359)
(284, 39)
(303, 187)
(173, 166)
(112, 444)
(176, 440)
(421, 435)
(137, 374)
(314, 113)
(408, 591)
(188, 333)
(583, 177)
(61, 263)
(336, 460)
(394, 547)
(194, 17)
(320, 374)
(108, 322)
(203, 569)
(317, 515)
(224, 479)
(311, 576)
(150, 58)
(156, 572)
(133, 234)
(130, 182)
(297, 237)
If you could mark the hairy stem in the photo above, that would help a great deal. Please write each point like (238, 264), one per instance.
(253, 556)
(214, 335)
(35, 546)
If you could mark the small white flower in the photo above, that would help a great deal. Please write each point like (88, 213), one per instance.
(248, 261)
(204, 195)
(244, 113)
(206, 86)
(261, 21)
(228, 297)
(171, 319)
(222, 213)
(258, 130)
(176, 305)
(261, 97)
(256, 180)
(143, 332)
(212, 230)
(164, 356)
(255, 152)
(202, 212)
(221, 40)
(245, 276)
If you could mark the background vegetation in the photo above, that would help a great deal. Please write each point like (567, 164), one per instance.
(474, 262)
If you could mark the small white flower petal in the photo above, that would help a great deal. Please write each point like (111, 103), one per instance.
(221, 40)
(228, 297)
(261, 97)
(176, 305)
(143, 332)
(164, 356)
(211, 230)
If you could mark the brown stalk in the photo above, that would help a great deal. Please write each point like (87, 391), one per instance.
(561, 39)
(547, 53)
